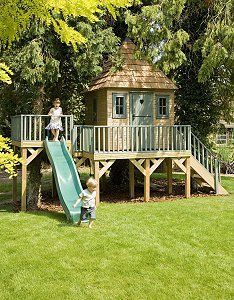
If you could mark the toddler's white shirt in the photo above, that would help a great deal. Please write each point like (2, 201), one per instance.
(87, 198)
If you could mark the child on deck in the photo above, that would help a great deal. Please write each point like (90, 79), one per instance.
(55, 122)
(88, 202)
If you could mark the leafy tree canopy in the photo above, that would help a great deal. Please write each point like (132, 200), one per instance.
(16, 17)
(8, 160)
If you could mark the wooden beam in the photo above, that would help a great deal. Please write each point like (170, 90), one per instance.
(180, 165)
(14, 189)
(156, 164)
(24, 180)
(169, 175)
(147, 181)
(106, 167)
(91, 166)
(79, 162)
(133, 155)
(31, 150)
(187, 178)
(131, 180)
(140, 161)
(34, 154)
(139, 166)
(96, 176)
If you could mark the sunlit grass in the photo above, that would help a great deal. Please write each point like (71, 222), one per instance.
(164, 250)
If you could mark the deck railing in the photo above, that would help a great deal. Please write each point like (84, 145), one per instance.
(208, 159)
(142, 138)
(204, 155)
(32, 127)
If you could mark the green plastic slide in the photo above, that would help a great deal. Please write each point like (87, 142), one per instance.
(66, 177)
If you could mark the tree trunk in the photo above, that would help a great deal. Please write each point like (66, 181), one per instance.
(35, 175)
(34, 184)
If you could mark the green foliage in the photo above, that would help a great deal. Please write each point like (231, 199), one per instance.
(16, 16)
(226, 153)
(218, 40)
(154, 33)
(45, 67)
(8, 160)
(5, 73)
(197, 103)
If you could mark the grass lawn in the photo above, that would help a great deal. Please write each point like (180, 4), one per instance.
(158, 250)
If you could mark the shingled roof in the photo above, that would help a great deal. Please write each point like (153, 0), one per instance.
(134, 74)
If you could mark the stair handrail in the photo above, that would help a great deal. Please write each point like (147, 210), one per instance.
(200, 155)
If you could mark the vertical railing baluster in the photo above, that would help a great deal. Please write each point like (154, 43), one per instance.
(172, 138)
(21, 127)
(113, 138)
(168, 138)
(146, 138)
(99, 139)
(25, 128)
(35, 128)
(203, 155)
(66, 129)
(40, 128)
(185, 137)
(127, 138)
(137, 138)
(30, 128)
(159, 138)
(122, 138)
(211, 164)
(104, 139)
(94, 139)
(108, 139)
(149, 134)
(189, 138)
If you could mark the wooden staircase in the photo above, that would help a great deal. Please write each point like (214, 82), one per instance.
(205, 166)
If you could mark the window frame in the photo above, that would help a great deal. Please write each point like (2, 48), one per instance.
(161, 116)
(114, 114)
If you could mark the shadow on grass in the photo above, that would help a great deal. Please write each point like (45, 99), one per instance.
(6, 207)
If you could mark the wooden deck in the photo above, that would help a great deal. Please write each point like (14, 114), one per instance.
(146, 148)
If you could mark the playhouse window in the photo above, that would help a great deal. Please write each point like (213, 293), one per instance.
(119, 106)
(163, 107)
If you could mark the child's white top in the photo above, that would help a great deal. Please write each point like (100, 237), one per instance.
(88, 198)
(56, 112)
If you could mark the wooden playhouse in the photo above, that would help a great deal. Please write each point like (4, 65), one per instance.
(130, 115)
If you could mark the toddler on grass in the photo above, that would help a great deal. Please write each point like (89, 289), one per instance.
(87, 197)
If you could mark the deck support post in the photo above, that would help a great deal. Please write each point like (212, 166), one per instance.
(14, 189)
(96, 177)
(131, 180)
(187, 178)
(169, 175)
(147, 180)
(24, 180)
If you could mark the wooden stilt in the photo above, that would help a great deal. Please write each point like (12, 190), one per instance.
(14, 189)
(169, 175)
(96, 176)
(24, 180)
(131, 180)
(91, 167)
(187, 178)
(147, 180)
